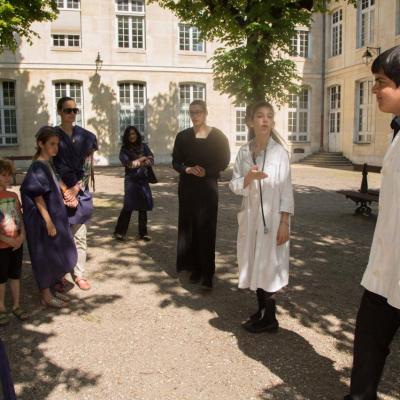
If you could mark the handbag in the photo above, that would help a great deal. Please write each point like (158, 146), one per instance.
(151, 176)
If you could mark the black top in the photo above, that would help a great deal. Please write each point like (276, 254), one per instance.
(211, 153)
(395, 125)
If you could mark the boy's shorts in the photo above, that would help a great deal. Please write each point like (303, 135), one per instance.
(10, 264)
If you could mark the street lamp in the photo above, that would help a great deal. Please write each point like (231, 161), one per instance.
(99, 62)
(367, 56)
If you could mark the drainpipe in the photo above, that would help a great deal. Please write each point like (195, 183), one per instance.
(323, 65)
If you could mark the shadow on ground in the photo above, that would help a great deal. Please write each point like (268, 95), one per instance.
(330, 250)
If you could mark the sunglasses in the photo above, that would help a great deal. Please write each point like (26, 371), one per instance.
(70, 110)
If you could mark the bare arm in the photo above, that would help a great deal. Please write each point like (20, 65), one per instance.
(41, 205)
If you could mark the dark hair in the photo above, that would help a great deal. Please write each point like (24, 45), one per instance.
(200, 103)
(389, 63)
(42, 136)
(6, 166)
(60, 102)
(251, 111)
(125, 137)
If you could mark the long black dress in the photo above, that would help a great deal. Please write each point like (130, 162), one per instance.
(198, 199)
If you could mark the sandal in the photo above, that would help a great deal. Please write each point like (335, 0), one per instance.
(63, 286)
(61, 296)
(4, 318)
(82, 283)
(53, 302)
(20, 313)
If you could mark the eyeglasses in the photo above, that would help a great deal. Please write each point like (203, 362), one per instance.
(70, 110)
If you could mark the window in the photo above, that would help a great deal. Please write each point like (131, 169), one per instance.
(336, 33)
(8, 114)
(66, 40)
(187, 93)
(398, 17)
(363, 112)
(132, 101)
(240, 123)
(298, 116)
(189, 38)
(68, 4)
(300, 44)
(73, 90)
(130, 24)
(366, 22)
(334, 108)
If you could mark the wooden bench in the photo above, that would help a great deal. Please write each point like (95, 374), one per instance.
(363, 197)
(18, 170)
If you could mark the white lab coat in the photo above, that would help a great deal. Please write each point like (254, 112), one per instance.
(382, 275)
(262, 264)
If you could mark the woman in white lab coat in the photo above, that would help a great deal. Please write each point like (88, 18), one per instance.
(262, 176)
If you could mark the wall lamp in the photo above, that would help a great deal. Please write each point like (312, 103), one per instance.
(99, 62)
(367, 56)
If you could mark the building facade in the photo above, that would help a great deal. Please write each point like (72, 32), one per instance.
(150, 67)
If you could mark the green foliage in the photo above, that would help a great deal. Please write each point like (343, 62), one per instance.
(17, 16)
(256, 36)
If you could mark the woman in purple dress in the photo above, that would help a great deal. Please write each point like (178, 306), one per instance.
(50, 242)
(137, 159)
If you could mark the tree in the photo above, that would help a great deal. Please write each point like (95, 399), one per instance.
(17, 16)
(256, 36)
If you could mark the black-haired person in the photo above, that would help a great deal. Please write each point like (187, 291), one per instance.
(200, 153)
(378, 318)
(74, 165)
(137, 158)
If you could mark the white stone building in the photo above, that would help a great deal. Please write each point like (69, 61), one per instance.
(153, 66)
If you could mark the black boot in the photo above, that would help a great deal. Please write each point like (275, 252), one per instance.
(261, 301)
(267, 321)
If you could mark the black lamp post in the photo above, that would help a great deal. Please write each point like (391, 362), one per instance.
(98, 62)
(367, 56)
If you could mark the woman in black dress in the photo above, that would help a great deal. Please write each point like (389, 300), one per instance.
(200, 153)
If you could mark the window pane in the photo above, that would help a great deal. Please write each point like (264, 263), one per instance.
(9, 93)
(187, 93)
(184, 37)
(123, 32)
(137, 32)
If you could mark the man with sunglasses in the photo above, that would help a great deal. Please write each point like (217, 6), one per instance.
(74, 164)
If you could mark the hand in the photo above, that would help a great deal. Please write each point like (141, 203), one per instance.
(71, 203)
(255, 174)
(147, 162)
(18, 242)
(197, 171)
(71, 193)
(51, 229)
(283, 233)
(135, 164)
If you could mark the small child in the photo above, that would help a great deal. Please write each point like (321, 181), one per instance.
(12, 236)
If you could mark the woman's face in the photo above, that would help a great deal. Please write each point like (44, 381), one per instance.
(198, 115)
(68, 111)
(263, 121)
(50, 147)
(132, 136)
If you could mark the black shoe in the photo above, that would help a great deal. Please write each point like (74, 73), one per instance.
(267, 322)
(253, 318)
(195, 277)
(145, 238)
(119, 237)
(207, 284)
(262, 325)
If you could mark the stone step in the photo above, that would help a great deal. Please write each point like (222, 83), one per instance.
(325, 159)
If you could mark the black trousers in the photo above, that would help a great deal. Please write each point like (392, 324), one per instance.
(377, 323)
(197, 226)
(124, 219)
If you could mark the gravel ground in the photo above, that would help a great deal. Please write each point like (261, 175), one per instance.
(144, 333)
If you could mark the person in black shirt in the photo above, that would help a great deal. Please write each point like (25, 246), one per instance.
(200, 153)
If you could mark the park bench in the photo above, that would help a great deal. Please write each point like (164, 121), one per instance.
(18, 171)
(363, 197)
